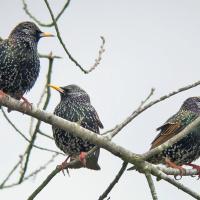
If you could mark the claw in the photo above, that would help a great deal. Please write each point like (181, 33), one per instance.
(197, 167)
(176, 177)
(26, 104)
(173, 165)
(63, 166)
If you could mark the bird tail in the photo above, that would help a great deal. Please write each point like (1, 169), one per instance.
(91, 162)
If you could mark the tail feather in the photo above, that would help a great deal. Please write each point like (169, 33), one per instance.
(91, 162)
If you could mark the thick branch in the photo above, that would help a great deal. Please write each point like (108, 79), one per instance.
(101, 141)
(76, 130)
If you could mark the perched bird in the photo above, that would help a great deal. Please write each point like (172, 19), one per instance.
(19, 60)
(187, 149)
(75, 106)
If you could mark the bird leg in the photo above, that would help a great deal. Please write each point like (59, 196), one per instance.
(2, 94)
(64, 165)
(26, 104)
(173, 165)
(197, 167)
(82, 158)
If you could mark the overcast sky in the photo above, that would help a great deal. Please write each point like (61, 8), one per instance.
(148, 44)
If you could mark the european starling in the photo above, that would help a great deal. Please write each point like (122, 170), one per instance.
(19, 60)
(186, 149)
(75, 106)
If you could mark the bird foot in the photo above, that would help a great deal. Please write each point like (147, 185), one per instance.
(197, 167)
(173, 165)
(26, 104)
(64, 165)
(82, 158)
(2, 94)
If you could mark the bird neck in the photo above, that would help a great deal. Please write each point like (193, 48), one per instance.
(23, 43)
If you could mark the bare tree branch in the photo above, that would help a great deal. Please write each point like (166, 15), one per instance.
(114, 182)
(114, 131)
(101, 141)
(10, 173)
(45, 135)
(176, 172)
(151, 186)
(56, 171)
(32, 174)
(26, 139)
(67, 51)
(163, 176)
(140, 109)
(25, 7)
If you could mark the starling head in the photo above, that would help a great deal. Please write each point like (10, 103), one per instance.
(28, 31)
(71, 91)
(192, 104)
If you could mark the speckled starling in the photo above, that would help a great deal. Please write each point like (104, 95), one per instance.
(186, 149)
(75, 106)
(19, 60)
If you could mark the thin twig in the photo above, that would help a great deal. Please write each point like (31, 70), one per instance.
(11, 172)
(34, 173)
(114, 182)
(45, 135)
(99, 58)
(49, 55)
(13, 125)
(67, 51)
(26, 139)
(151, 186)
(25, 7)
(114, 131)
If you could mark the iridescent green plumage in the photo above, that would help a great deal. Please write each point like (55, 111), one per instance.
(187, 149)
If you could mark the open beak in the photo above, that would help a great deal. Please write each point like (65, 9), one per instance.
(46, 34)
(59, 89)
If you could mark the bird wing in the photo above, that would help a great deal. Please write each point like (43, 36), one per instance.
(173, 126)
(167, 131)
(98, 120)
(89, 118)
(96, 117)
(3, 54)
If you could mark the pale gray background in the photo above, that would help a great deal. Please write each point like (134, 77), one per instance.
(148, 44)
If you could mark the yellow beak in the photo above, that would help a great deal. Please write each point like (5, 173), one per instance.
(46, 34)
(56, 88)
